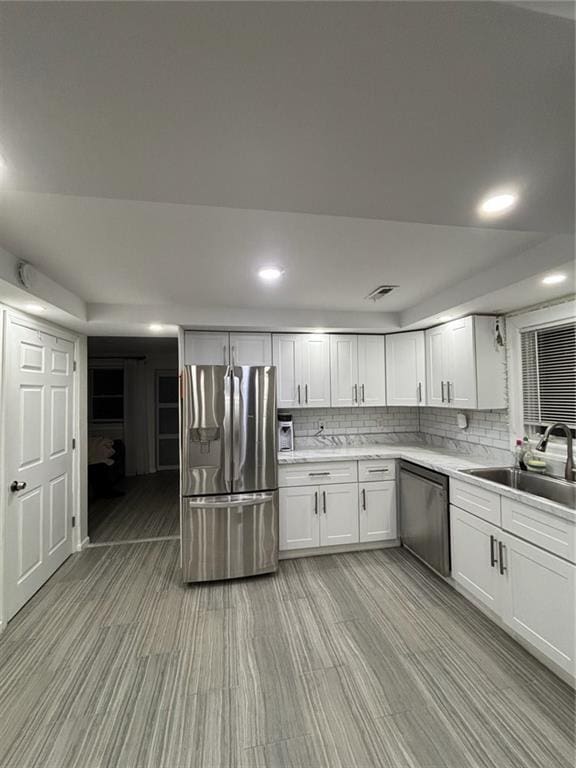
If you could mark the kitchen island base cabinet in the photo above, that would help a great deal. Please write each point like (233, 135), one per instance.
(377, 503)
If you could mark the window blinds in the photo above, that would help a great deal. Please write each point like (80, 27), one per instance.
(549, 375)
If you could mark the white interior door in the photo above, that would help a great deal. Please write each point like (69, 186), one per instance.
(372, 370)
(38, 450)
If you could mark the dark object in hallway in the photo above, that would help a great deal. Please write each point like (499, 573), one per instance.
(102, 478)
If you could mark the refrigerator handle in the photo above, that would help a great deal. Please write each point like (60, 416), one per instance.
(227, 426)
(236, 434)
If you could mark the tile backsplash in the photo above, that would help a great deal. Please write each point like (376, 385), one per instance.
(487, 433)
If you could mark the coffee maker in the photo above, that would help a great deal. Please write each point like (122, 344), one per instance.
(285, 432)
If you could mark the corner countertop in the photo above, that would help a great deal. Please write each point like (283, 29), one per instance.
(447, 462)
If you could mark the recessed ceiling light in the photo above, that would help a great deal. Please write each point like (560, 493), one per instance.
(498, 204)
(269, 274)
(34, 307)
(156, 327)
(553, 279)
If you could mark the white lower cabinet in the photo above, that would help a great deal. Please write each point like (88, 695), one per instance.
(474, 557)
(539, 599)
(377, 517)
(339, 517)
(299, 526)
(318, 516)
(531, 590)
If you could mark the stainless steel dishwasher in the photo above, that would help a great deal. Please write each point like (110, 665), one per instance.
(424, 515)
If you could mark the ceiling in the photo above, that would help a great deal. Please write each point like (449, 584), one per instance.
(159, 153)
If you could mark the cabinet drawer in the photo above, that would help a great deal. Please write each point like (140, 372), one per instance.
(317, 473)
(376, 469)
(547, 531)
(482, 503)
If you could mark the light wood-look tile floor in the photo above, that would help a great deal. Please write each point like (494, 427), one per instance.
(352, 660)
(149, 509)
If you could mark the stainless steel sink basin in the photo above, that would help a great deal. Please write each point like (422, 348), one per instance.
(551, 488)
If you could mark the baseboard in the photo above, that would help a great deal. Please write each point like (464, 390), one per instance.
(83, 544)
(290, 554)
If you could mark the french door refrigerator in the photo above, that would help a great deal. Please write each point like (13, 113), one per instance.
(229, 474)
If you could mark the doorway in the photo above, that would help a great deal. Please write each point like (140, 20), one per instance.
(133, 445)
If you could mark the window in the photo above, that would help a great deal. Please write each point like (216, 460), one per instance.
(107, 394)
(548, 358)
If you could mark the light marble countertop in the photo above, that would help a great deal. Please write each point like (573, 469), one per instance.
(447, 462)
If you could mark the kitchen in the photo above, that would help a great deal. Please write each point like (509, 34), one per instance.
(331, 244)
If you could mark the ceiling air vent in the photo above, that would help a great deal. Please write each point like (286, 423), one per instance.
(380, 292)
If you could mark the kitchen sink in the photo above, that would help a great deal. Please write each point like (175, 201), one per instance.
(551, 488)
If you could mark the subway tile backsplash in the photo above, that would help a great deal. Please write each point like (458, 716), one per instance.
(486, 436)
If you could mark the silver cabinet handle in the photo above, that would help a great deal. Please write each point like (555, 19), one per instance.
(442, 387)
(363, 398)
(298, 388)
(306, 393)
(493, 557)
(419, 391)
(318, 474)
(315, 502)
(501, 550)
(364, 498)
(448, 391)
(383, 469)
(355, 393)
(324, 500)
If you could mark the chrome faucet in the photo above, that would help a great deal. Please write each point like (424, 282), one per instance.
(569, 471)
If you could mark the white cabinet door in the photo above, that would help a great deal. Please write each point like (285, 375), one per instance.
(377, 511)
(299, 518)
(250, 349)
(206, 348)
(539, 599)
(338, 514)
(315, 370)
(436, 366)
(287, 357)
(344, 370)
(460, 374)
(475, 557)
(372, 370)
(406, 369)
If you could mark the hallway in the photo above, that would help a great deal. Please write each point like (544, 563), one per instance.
(148, 509)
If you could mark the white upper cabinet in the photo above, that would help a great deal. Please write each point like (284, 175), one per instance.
(344, 370)
(223, 348)
(372, 370)
(464, 366)
(302, 370)
(406, 369)
(250, 349)
(358, 370)
(206, 348)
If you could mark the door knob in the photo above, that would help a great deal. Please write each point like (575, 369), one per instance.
(15, 486)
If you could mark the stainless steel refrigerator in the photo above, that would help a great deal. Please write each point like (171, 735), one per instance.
(229, 472)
